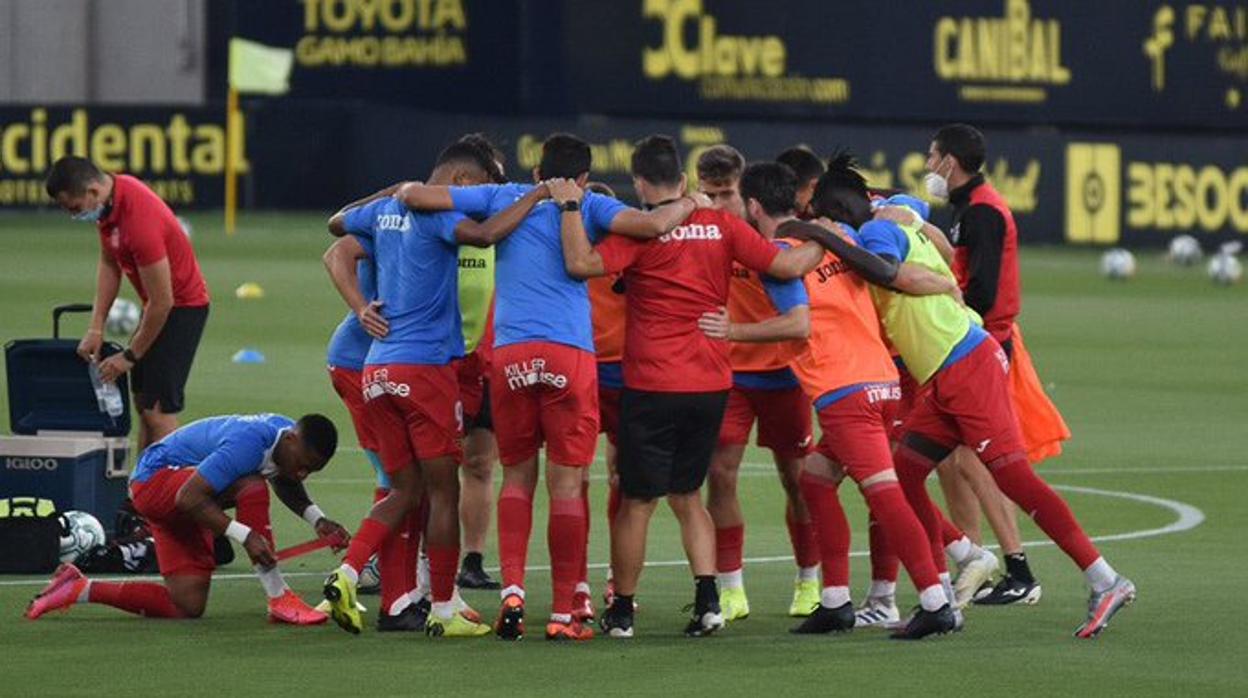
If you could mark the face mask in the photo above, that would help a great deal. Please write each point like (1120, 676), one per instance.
(936, 184)
(90, 215)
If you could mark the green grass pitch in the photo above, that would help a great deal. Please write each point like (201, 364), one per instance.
(1149, 373)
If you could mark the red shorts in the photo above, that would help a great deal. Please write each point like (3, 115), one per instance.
(346, 383)
(784, 421)
(609, 412)
(543, 391)
(415, 413)
(969, 403)
(183, 547)
(472, 371)
(855, 430)
(910, 390)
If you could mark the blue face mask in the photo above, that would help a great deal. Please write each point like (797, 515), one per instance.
(90, 215)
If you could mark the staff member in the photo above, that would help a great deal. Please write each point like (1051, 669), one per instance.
(139, 236)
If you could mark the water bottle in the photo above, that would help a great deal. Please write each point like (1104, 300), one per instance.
(107, 395)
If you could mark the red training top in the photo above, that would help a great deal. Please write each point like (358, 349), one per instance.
(999, 320)
(671, 281)
(142, 230)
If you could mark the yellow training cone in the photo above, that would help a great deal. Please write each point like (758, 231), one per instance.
(249, 291)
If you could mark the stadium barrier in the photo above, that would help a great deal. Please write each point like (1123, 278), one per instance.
(1079, 187)
(1142, 63)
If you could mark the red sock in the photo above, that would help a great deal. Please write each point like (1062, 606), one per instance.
(884, 563)
(144, 598)
(515, 525)
(831, 527)
(1050, 512)
(371, 534)
(729, 548)
(912, 470)
(904, 532)
(252, 508)
(393, 564)
(443, 563)
(565, 534)
(949, 534)
(584, 573)
(802, 537)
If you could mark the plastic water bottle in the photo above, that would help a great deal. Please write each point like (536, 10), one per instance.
(107, 395)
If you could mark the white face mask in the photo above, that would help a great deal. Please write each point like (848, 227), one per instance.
(90, 215)
(937, 184)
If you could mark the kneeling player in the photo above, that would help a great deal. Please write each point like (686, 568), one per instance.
(181, 485)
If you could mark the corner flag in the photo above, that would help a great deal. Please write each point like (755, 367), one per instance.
(256, 68)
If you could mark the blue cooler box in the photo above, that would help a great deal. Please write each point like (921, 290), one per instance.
(76, 470)
(63, 447)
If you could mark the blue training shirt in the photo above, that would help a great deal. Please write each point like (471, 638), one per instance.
(534, 298)
(349, 344)
(417, 262)
(221, 449)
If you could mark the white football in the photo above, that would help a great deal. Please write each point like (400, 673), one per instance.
(1118, 264)
(1225, 269)
(1184, 251)
(80, 532)
(123, 317)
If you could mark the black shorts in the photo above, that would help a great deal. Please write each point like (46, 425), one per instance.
(160, 376)
(484, 418)
(666, 441)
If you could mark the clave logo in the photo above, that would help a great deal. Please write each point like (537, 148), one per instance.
(25, 463)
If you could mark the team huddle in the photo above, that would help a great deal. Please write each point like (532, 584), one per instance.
(776, 295)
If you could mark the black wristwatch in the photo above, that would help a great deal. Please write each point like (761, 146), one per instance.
(129, 356)
(570, 205)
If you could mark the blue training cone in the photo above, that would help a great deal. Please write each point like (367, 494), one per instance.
(247, 355)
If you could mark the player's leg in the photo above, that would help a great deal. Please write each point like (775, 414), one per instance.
(476, 486)
(608, 424)
(569, 418)
(1018, 584)
(476, 501)
(159, 378)
(960, 499)
(647, 444)
(698, 418)
(784, 427)
(978, 400)
(725, 507)
(820, 480)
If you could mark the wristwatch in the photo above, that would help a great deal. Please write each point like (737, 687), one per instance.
(129, 356)
(570, 205)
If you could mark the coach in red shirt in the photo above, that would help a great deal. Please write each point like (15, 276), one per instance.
(676, 379)
(139, 236)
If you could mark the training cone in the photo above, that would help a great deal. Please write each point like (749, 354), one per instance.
(248, 356)
(249, 291)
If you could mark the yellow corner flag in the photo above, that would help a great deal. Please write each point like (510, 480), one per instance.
(256, 68)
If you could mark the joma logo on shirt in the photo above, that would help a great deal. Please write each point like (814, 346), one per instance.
(831, 269)
(394, 221)
(526, 373)
(693, 231)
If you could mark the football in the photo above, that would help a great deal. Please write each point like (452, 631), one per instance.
(1118, 264)
(80, 532)
(1225, 269)
(123, 317)
(1184, 251)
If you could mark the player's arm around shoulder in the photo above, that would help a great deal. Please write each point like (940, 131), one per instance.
(499, 226)
(338, 222)
(647, 225)
(580, 259)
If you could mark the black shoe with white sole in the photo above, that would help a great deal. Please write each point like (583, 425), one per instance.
(1010, 591)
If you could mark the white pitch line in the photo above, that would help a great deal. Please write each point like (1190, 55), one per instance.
(760, 470)
(1189, 517)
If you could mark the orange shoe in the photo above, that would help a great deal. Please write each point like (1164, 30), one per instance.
(574, 631)
(510, 623)
(582, 608)
(289, 608)
(61, 592)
